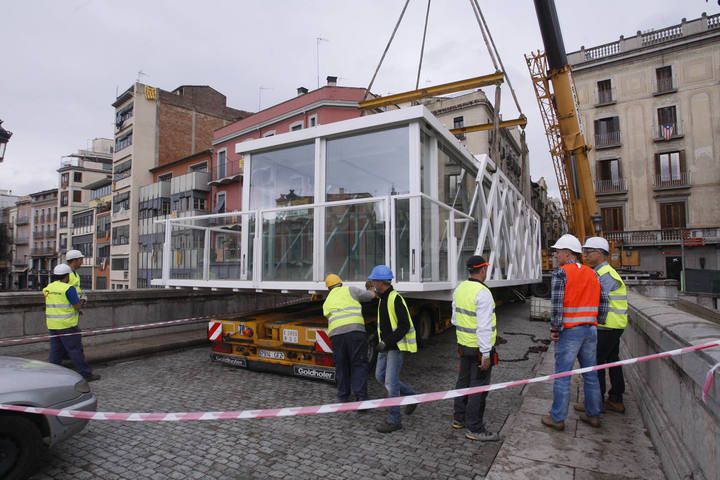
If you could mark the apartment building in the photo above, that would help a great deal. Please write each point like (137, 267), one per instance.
(327, 104)
(154, 127)
(8, 212)
(78, 170)
(43, 237)
(22, 261)
(649, 104)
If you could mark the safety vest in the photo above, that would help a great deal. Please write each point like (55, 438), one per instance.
(58, 311)
(466, 314)
(343, 312)
(617, 314)
(75, 282)
(581, 301)
(408, 343)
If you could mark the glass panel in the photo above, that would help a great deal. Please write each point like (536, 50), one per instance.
(355, 239)
(186, 253)
(287, 246)
(426, 173)
(466, 249)
(284, 177)
(434, 242)
(368, 165)
(454, 187)
(402, 240)
(225, 251)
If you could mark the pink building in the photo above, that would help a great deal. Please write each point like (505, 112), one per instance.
(327, 104)
(22, 259)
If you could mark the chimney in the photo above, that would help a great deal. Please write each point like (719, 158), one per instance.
(302, 91)
(331, 81)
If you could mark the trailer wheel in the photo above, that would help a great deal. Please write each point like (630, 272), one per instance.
(20, 442)
(424, 327)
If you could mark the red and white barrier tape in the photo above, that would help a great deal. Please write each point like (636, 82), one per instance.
(340, 407)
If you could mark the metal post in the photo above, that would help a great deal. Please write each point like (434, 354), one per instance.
(166, 253)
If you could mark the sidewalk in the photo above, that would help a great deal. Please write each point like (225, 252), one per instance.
(620, 449)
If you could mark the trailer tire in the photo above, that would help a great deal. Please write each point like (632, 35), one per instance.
(21, 441)
(424, 327)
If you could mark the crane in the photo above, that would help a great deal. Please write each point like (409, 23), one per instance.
(555, 91)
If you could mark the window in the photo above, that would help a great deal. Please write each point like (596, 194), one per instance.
(121, 235)
(297, 126)
(451, 188)
(64, 199)
(283, 177)
(313, 120)
(102, 228)
(63, 241)
(100, 283)
(122, 170)
(122, 115)
(165, 178)
(64, 180)
(612, 219)
(199, 167)
(609, 170)
(269, 133)
(77, 177)
(77, 196)
(120, 264)
(664, 79)
(458, 122)
(63, 219)
(123, 142)
(672, 215)
(83, 220)
(667, 123)
(222, 163)
(605, 95)
(199, 203)
(219, 202)
(121, 202)
(670, 168)
(83, 243)
(607, 132)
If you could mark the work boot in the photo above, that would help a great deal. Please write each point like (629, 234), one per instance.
(592, 421)
(483, 436)
(457, 425)
(579, 407)
(409, 409)
(92, 377)
(618, 407)
(548, 421)
(386, 427)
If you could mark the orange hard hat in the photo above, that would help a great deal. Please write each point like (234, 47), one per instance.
(332, 280)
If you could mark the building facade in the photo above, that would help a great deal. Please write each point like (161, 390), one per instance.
(649, 105)
(154, 127)
(22, 261)
(43, 237)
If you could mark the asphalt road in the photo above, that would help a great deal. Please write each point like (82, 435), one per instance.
(342, 445)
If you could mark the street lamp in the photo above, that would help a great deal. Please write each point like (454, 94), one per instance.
(4, 139)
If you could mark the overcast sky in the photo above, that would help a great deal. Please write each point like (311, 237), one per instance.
(63, 61)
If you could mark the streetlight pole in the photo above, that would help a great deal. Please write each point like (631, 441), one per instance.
(4, 139)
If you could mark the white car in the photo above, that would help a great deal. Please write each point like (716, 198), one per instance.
(33, 383)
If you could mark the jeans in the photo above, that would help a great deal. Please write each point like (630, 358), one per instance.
(351, 365)
(387, 372)
(608, 350)
(578, 342)
(70, 345)
(470, 409)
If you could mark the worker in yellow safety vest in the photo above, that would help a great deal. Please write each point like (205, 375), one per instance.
(396, 336)
(346, 329)
(61, 312)
(596, 250)
(73, 258)
(476, 330)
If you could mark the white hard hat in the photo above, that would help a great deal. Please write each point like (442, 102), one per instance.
(62, 269)
(73, 254)
(598, 243)
(568, 242)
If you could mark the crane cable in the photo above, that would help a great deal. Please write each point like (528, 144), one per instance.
(422, 48)
(483, 27)
(387, 47)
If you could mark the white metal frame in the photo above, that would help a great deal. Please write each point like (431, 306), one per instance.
(508, 229)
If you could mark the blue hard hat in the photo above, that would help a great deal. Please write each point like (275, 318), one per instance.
(381, 272)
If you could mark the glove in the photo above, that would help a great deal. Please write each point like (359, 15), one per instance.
(381, 347)
(554, 335)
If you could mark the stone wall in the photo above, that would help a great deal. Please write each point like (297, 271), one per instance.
(685, 431)
(23, 313)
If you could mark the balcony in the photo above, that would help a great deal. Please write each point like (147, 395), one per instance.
(43, 252)
(666, 133)
(608, 187)
(607, 140)
(190, 182)
(103, 235)
(668, 236)
(22, 220)
(230, 172)
(668, 182)
(21, 240)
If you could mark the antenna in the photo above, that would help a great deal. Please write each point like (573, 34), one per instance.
(260, 90)
(317, 56)
(141, 74)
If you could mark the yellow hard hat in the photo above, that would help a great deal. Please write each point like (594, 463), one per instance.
(332, 280)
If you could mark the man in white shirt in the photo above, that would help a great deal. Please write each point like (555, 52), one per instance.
(475, 327)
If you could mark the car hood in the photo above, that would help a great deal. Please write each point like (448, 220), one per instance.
(32, 382)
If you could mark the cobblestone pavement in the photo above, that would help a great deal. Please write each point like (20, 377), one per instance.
(326, 446)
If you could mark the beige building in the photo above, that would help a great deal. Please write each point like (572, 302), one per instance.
(650, 105)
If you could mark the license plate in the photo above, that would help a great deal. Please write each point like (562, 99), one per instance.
(290, 335)
(234, 361)
(271, 354)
